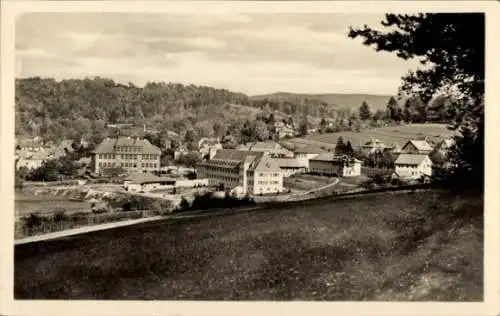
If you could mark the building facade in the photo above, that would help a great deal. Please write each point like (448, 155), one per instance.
(332, 165)
(304, 154)
(245, 172)
(413, 166)
(290, 166)
(130, 153)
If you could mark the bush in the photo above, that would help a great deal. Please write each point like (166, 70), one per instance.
(206, 201)
(59, 216)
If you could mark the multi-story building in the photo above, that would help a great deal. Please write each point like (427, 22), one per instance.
(413, 166)
(244, 172)
(130, 153)
(333, 165)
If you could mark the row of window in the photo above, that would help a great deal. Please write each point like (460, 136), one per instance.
(107, 164)
(129, 149)
(267, 182)
(129, 156)
(272, 175)
(127, 165)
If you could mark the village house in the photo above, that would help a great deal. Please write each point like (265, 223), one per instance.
(181, 151)
(444, 146)
(413, 166)
(208, 147)
(421, 147)
(304, 154)
(283, 129)
(333, 165)
(373, 146)
(242, 172)
(269, 148)
(129, 153)
(33, 144)
(30, 160)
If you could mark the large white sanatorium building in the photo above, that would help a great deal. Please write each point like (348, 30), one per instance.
(245, 172)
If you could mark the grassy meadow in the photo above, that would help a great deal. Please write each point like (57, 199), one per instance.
(389, 135)
(27, 202)
(392, 246)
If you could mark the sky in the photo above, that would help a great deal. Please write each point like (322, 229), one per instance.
(253, 53)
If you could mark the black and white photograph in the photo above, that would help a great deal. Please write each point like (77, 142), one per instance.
(248, 155)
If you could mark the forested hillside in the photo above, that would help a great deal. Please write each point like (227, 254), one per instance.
(82, 107)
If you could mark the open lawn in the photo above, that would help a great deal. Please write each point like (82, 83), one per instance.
(305, 182)
(26, 203)
(389, 135)
(393, 246)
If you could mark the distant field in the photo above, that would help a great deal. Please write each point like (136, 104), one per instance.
(356, 249)
(26, 203)
(352, 101)
(389, 135)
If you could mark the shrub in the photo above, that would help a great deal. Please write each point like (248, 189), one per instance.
(59, 216)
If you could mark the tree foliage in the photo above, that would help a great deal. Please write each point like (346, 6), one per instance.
(364, 111)
(451, 47)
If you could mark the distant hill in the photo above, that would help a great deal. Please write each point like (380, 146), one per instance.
(351, 101)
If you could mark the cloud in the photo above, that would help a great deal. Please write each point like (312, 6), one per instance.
(253, 53)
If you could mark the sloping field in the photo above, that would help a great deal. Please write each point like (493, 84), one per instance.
(352, 101)
(389, 135)
(26, 203)
(380, 247)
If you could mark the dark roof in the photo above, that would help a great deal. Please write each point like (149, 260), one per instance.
(233, 154)
(308, 150)
(232, 158)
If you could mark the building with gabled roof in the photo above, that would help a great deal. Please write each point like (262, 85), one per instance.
(416, 147)
(444, 146)
(374, 145)
(129, 153)
(248, 171)
(291, 166)
(413, 166)
(335, 165)
(270, 148)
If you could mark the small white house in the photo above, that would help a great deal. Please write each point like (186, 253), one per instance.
(413, 166)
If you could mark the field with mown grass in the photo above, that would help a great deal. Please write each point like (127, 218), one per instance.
(391, 246)
(389, 135)
(28, 202)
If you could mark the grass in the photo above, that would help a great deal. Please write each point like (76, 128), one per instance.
(389, 135)
(306, 182)
(26, 203)
(380, 247)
